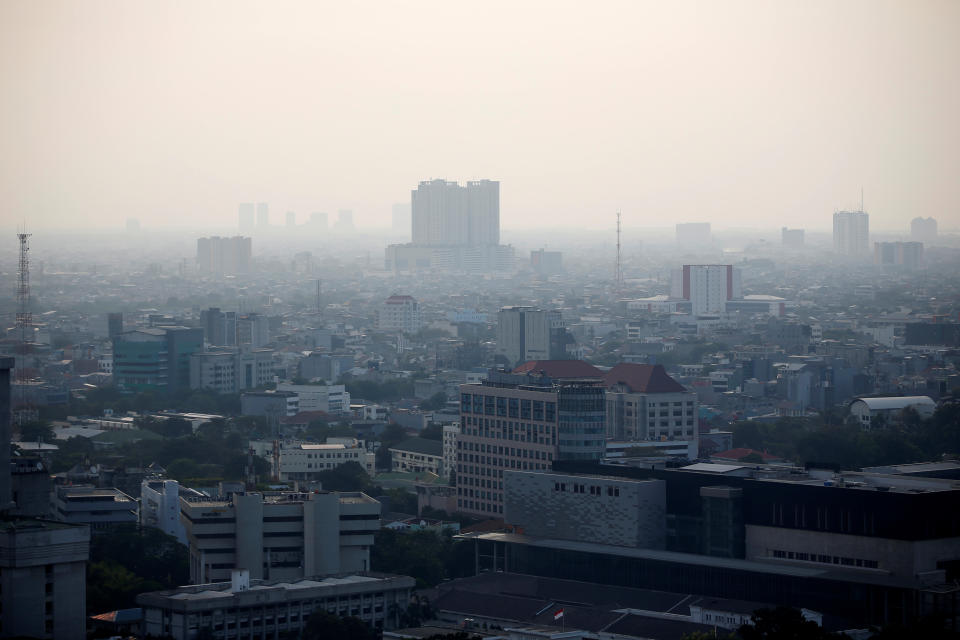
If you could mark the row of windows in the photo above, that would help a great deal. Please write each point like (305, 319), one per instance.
(827, 519)
(594, 490)
(476, 505)
(480, 493)
(508, 407)
(825, 559)
(516, 453)
(340, 454)
(513, 464)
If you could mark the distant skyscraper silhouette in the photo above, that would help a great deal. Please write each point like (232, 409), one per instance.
(923, 230)
(291, 219)
(263, 215)
(344, 220)
(904, 254)
(223, 256)
(851, 233)
(444, 213)
(708, 287)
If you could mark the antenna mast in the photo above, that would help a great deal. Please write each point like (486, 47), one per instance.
(24, 412)
(619, 269)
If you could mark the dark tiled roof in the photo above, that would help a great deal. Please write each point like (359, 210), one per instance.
(490, 605)
(560, 368)
(421, 445)
(643, 378)
(587, 618)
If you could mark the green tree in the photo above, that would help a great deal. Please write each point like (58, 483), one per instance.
(391, 435)
(435, 402)
(402, 501)
(427, 556)
(432, 432)
(36, 431)
(183, 468)
(127, 561)
(111, 586)
(322, 625)
(348, 476)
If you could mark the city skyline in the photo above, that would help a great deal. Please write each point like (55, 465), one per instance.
(734, 115)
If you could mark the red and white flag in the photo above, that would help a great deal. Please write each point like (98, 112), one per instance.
(558, 614)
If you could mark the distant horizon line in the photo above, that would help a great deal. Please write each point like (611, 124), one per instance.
(278, 230)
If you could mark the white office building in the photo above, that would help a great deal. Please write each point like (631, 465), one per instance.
(269, 609)
(333, 399)
(708, 287)
(283, 536)
(450, 434)
(294, 460)
(399, 313)
(101, 508)
(523, 333)
(231, 370)
(851, 233)
(160, 506)
(444, 213)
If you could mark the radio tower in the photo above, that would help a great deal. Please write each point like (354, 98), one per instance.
(619, 271)
(24, 412)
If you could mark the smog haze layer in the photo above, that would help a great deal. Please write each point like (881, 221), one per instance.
(743, 114)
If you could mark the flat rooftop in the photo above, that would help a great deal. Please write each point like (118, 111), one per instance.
(752, 566)
(224, 590)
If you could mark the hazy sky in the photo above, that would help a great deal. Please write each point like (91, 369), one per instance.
(738, 113)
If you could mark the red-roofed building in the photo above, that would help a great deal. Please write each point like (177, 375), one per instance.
(560, 369)
(399, 313)
(644, 403)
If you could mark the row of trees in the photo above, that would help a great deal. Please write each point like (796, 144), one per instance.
(95, 401)
(846, 446)
(216, 451)
(427, 556)
(128, 561)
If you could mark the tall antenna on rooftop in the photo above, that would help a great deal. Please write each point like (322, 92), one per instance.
(23, 413)
(619, 270)
(861, 198)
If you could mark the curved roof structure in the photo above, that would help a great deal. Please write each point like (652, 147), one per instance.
(896, 402)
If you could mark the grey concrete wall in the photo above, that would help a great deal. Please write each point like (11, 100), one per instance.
(321, 535)
(635, 518)
(901, 558)
(249, 528)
